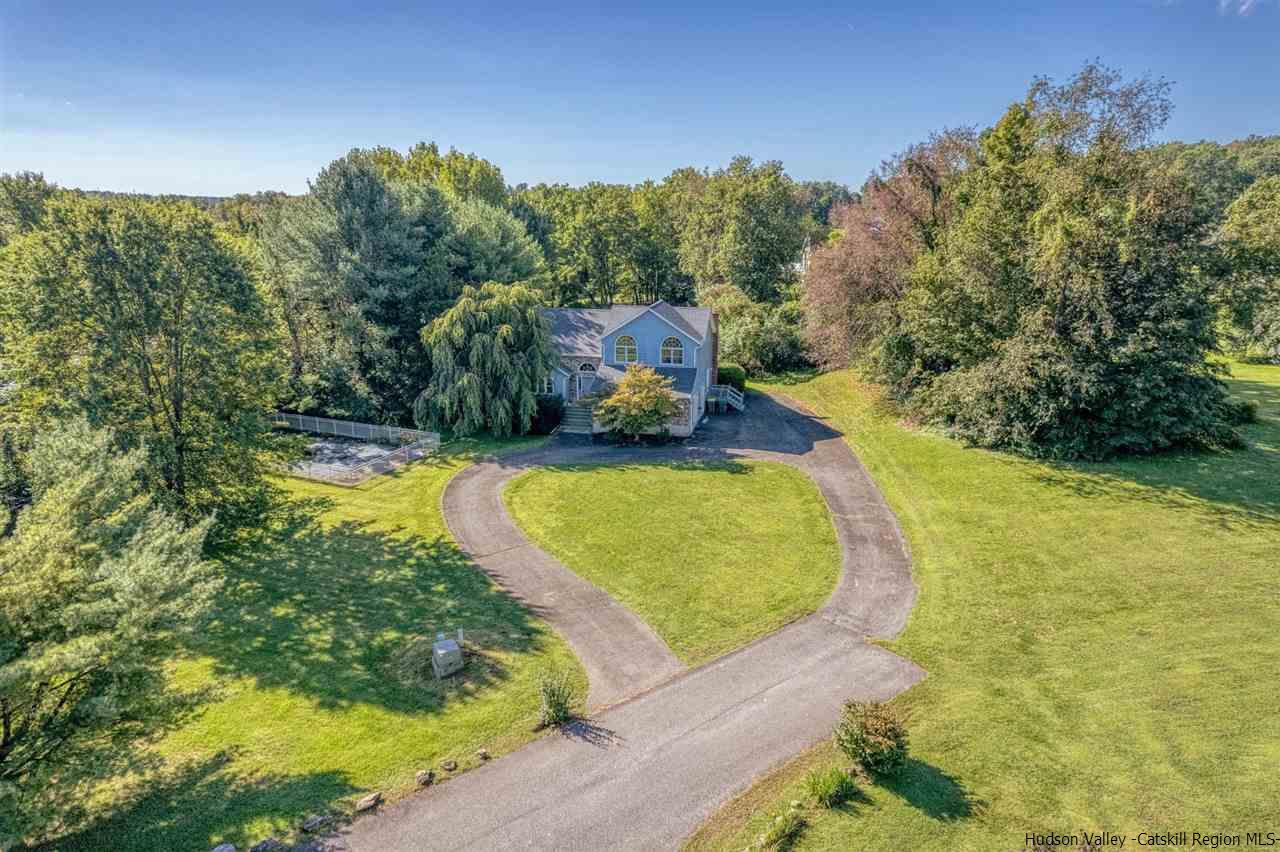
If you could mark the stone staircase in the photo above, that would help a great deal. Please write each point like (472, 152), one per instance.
(577, 419)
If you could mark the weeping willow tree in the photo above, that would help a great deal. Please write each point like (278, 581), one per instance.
(489, 353)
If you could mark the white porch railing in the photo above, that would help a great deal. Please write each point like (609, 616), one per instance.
(729, 394)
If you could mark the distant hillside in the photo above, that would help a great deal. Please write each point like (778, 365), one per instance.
(198, 200)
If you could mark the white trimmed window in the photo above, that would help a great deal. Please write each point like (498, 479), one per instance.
(625, 351)
(672, 351)
(545, 387)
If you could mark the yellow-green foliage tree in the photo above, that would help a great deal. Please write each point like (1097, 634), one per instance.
(641, 403)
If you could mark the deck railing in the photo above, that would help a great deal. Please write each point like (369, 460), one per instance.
(729, 394)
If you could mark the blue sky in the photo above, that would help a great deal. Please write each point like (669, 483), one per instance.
(217, 98)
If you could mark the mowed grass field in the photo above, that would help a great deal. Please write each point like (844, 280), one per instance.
(1102, 641)
(710, 555)
(318, 672)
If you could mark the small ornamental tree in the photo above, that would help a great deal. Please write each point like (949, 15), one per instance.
(489, 353)
(873, 736)
(642, 402)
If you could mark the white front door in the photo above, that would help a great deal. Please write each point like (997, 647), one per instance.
(583, 380)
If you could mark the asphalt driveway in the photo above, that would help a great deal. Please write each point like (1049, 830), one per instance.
(665, 747)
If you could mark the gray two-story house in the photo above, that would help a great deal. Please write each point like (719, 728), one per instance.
(597, 345)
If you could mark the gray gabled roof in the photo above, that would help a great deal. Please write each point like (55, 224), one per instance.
(686, 323)
(684, 379)
(578, 331)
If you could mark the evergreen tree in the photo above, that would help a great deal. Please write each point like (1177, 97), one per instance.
(360, 265)
(489, 244)
(96, 584)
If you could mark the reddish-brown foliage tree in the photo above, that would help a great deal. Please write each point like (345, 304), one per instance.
(853, 283)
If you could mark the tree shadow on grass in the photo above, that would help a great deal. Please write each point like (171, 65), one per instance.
(1239, 489)
(932, 791)
(335, 611)
(203, 803)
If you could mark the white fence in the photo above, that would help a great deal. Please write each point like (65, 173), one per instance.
(414, 444)
(371, 432)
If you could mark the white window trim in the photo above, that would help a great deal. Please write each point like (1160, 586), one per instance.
(662, 355)
(635, 348)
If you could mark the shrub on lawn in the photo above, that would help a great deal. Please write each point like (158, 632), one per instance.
(550, 412)
(732, 375)
(783, 832)
(874, 736)
(831, 788)
(556, 693)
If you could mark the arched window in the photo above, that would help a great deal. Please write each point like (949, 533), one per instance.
(624, 350)
(586, 367)
(672, 351)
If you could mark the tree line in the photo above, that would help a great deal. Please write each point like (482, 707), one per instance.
(1054, 285)
(145, 343)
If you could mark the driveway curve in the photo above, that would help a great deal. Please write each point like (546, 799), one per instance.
(665, 747)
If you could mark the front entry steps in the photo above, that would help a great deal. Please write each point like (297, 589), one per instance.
(577, 419)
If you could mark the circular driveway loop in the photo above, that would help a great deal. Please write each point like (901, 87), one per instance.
(665, 746)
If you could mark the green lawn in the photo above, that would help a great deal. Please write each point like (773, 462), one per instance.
(709, 555)
(1102, 641)
(315, 696)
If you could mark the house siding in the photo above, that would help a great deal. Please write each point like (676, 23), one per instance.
(649, 331)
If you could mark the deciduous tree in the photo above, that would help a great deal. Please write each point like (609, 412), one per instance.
(459, 176)
(1250, 239)
(489, 354)
(855, 281)
(22, 199)
(139, 316)
(747, 228)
